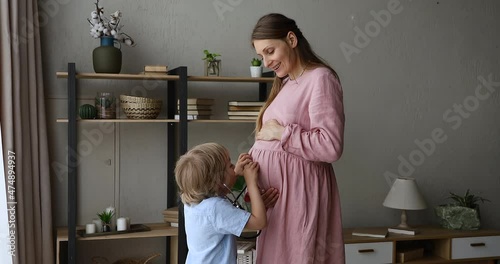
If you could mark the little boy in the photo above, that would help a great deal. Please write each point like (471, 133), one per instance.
(205, 175)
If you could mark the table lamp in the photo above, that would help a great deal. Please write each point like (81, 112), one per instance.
(404, 195)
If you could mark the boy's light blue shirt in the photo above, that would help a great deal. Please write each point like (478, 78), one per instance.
(211, 227)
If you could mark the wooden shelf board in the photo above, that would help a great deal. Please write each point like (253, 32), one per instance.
(120, 76)
(123, 120)
(157, 230)
(229, 79)
(119, 120)
(124, 76)
(222, 121)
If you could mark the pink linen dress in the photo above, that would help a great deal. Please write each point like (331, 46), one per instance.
(304, 227)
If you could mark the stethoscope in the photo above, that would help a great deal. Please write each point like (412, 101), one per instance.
(236, 204)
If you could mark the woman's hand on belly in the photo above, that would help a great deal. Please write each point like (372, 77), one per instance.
(269, 196)
(271, 130)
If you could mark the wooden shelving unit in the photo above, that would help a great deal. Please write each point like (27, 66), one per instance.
(176, 89)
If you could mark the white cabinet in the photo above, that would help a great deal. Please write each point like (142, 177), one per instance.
(475, 247)
(374, 253)
(439, 245)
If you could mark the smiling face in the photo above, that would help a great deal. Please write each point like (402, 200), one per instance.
(277, 55)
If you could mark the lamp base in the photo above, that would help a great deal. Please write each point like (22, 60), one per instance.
(403, 223)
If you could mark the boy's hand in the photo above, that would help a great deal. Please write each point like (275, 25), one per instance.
(243, 160)
(251, 172)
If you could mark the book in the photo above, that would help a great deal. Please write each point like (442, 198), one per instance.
(197, 107)
(244, 108)
(194, 117)
(242, 117)
(243, 113)
(370, 232)
(245, 103)
(155, 68)
(199, 112)
(244, 246)
(199, 101)
(403, 231)
(154, 73)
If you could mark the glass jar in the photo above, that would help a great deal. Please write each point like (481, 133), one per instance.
(105, 103)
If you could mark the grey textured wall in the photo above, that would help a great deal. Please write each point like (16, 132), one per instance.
(420, 93)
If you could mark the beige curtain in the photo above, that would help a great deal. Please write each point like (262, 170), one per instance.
(24, 132)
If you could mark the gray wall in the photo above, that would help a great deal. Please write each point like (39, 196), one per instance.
(412, 77)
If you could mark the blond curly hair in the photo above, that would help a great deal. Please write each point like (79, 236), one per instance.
(200, 172)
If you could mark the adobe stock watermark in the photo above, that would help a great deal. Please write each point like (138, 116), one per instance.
(223, 6)
(372, 29)
(47, 9)
(454, 117)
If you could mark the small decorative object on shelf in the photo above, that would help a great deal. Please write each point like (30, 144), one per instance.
(106, 217)
(256, 68)
(212, 64)
(136, 107)
(87, 111)
(105, 103)
(107, 58)
(463, 214)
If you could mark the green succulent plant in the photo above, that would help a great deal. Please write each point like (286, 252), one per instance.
(210, 56)
(256, 62)
(467, 200)
(106, 216)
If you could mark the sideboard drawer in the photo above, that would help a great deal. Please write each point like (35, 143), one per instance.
(475, 247)
(373, 253)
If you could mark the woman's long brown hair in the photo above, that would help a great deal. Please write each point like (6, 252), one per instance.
(277, 26)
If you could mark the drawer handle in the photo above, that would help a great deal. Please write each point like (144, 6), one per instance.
(366, 250)
(477, 244)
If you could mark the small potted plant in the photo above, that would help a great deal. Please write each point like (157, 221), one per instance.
(212, 64)
(462, 214)
(256, 68)
(106, 217)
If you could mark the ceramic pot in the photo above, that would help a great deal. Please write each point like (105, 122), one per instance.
(256, 71)
(107, 58)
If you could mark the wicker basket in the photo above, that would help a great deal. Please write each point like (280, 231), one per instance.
(137, 99)
(141, 110)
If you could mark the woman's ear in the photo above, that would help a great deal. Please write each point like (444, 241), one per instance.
(291, 39)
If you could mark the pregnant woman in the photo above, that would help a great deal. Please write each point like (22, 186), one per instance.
(299, 133)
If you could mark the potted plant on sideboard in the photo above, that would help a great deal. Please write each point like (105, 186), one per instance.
(462, 214)
(256, 68)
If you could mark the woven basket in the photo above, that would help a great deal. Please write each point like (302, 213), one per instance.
(141, 110)
(137, 99)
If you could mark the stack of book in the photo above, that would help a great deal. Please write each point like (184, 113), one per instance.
(403, 231)
(198, 108)
(171, 216)
(155, 69)
(244, 110)
(370, 232)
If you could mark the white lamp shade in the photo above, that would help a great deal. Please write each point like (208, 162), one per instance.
(404, 194)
